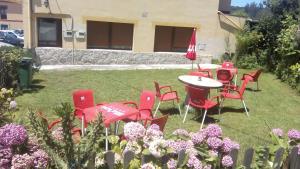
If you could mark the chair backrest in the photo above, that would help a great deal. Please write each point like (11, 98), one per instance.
(161, 122)
(227, 64)
(157, 89)
(243, 86)
(257, 74)
(147, 100)
(197, 95)
(200, 73)
(82, 99)
(224, 75)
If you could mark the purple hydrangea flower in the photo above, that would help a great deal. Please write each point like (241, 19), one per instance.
(32, 144)
(13, 104)
(180, 145)
(41, 159)
(197, 138)
(154, 127)
(229, 145)
(152, 133)
(172, 164)
(181, 132)
(194, 162)
(227, 161)
(24, 161)
(12, 134)
(214, 142)
(57, 134)
(148, 166)
(213, 130)
(294, 134)
(134, 131)
(5, 156)
(278, 132)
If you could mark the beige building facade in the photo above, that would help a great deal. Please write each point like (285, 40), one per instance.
(11, 16)
(138, 26)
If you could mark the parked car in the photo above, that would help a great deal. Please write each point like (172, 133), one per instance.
(13, 37)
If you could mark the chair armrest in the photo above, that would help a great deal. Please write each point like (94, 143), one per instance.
(131, 103)
(164, 87)
(170, 92)
(53, 123)
(102, 103)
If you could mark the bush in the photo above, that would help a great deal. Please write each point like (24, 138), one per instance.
(248, 62)
(64, 150)
(10, 58)
(7, 105)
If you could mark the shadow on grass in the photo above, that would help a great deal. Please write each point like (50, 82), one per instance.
(171, 111)
(35, 86)
(233, 110)
(253, 90)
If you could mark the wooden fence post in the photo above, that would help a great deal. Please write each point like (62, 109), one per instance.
(278, 158)
(110, 159)
(248, 157)
(128, 156)
(234, 155)
(294, 159)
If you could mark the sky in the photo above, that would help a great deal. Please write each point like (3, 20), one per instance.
(243, 2)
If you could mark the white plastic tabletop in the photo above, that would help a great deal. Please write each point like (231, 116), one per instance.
(196, 82)
(209, 66)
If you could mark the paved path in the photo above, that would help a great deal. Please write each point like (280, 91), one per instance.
(116, 67)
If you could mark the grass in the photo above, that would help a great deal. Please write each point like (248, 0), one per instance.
(276, 104)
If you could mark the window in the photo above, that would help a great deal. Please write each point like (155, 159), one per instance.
(3, 27)
(109, 35)
(49, 32)
(172, 39)
(3, 12)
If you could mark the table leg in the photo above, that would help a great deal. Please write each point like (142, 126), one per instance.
(235, 79)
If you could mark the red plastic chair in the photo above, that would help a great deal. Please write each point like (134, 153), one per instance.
(168, 95)
(198, 99)
(228, 65)
(201, 74)
(225, 77)
(147, 100)
(83, 99)
(206, 70)
(237, 94)
(252, 76)
(51, 125)
(161, 122)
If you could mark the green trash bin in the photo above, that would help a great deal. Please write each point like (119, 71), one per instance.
(25, 73)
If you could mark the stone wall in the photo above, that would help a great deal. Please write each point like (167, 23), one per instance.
(59, 56)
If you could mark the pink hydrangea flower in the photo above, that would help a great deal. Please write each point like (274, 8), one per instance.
(134, 131)
(148, 166)
(22, 161)
(172, 164)
(227, 161)
(181, 132)
(5, 156)
(197, 138)
(229, 145)
(41, 159)
(194, 162)
(214, 143)
(294, 134)
(213, 130)
(278, 132)
(57, 134)
(12, 134)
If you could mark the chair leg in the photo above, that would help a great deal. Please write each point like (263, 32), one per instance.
(82, 126)
(235, 79)
(244, 104)
(179, 108)
(203, 119)
(221, 105)
(187, 109)
(156, 109)
(117, 127)
(106, 139)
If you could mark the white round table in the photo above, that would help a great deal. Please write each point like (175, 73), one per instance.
(196, 82)
(209, 66)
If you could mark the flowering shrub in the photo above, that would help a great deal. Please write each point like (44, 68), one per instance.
(7, 105)
(280, 139)
(204, 149)
(20, 151)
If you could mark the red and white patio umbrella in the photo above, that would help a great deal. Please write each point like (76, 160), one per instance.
(191, 52)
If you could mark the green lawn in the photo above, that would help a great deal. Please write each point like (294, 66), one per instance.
(276, 103)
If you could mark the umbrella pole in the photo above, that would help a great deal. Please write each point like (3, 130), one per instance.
(192, 65)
